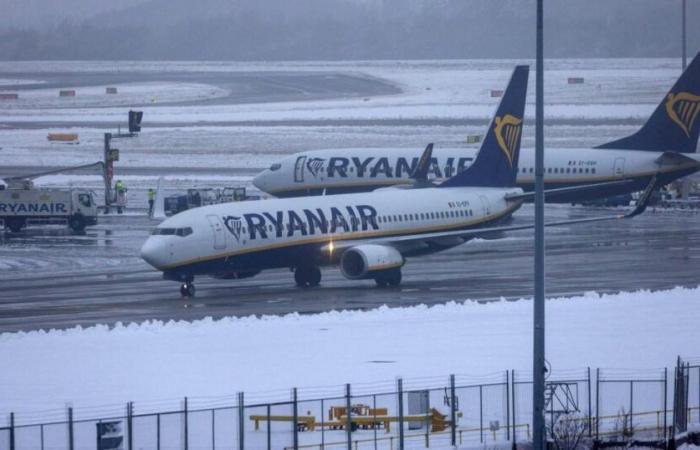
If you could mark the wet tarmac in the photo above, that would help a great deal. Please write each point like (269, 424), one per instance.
(52, 279)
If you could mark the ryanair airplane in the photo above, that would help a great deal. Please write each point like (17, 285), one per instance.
(664, 147)
(368, 235)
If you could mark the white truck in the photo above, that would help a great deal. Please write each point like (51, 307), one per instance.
(21, 204)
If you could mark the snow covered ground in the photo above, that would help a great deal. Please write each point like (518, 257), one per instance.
(128, 94)
(431, 89)
(155, 364)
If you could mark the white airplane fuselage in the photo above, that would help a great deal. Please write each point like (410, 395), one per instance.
(364, 169)
(239, 239)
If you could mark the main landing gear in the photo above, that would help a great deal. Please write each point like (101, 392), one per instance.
(187, 289)
(388, 278)
(307, 276)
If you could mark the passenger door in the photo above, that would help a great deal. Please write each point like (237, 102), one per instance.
(619, 167)
(485, 205)
(299, 169)
(217, 229)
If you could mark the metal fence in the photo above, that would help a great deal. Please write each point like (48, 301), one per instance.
(408, 414)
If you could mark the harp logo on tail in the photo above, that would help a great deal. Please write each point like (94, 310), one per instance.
(682, 109)
(507, 131)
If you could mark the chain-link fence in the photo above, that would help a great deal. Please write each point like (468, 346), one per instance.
(584, 405)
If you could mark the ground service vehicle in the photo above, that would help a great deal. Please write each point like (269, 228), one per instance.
(21, 204)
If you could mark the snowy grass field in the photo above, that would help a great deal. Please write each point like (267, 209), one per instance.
(155, 364)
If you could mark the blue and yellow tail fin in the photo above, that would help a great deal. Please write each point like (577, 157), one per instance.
(675, 124)
(496, 164)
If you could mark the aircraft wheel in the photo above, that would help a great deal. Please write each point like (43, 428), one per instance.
(393, 277)
(314, 277)
(381, 282)
(300, 276)
(187, 290)
(15, 225)
(307, 276)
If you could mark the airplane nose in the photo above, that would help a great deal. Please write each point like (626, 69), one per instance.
(259, 181)
(154, 252)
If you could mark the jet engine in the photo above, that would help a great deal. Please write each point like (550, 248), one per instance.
(369, 260)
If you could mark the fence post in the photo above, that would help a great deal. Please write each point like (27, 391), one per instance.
(323, 436)
(241, 421)
(665, 401)
(512, 394)
(597, 403)
(12, 431)
(269, 427)
(632, 407)
(295, 414)
(400, 391)
(129, 424)
(348, 419)
(374, 414)
(507, 405)
(158, 431)
(213, 429)
(70, 428)
(453, 411)
(481, 414)
(590, 411)
(186, 426)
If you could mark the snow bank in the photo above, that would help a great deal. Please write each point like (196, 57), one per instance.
(153, 360)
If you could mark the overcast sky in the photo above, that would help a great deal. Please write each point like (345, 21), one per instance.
(339, 29)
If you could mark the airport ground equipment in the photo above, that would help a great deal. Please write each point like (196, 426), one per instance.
(22, 204)
(25, 205)
(194, 198)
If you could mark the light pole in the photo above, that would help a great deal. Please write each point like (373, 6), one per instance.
(538, 363)
(683, 36)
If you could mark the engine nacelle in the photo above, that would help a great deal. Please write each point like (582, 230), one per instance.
(366, 261)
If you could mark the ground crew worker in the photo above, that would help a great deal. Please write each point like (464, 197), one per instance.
(151, 201)
(120, 192)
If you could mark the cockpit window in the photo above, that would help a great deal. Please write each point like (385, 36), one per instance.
(182, 232)
(275, 166)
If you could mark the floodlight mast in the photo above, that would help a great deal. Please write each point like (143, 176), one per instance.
(538, 362)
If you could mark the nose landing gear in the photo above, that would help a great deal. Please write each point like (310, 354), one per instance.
(187, 289)
(307, 276)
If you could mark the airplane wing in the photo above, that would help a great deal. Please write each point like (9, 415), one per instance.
(425, 238)
(548, 193)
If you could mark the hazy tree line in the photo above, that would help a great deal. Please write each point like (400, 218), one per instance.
(359, 29)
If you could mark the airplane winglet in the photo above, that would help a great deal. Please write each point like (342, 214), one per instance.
(643, 201)
(421, 172)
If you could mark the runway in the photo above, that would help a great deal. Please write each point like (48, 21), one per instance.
(61, 281)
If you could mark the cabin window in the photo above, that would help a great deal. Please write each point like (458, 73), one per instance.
(532, 169)
(586, 169)
(568, 170)
(593, 170)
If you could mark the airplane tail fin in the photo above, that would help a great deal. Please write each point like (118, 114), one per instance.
(496, 164)
(675, 124)
(420, 174)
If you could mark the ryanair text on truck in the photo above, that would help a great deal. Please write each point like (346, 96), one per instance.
(28, 206)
